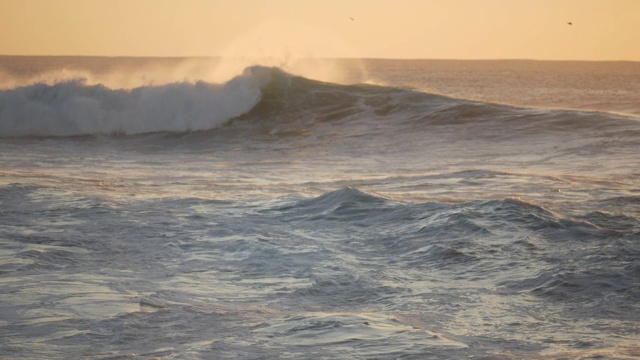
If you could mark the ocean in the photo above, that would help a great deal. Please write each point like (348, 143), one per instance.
(324, 209)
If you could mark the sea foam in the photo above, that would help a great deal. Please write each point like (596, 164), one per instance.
(74, 108)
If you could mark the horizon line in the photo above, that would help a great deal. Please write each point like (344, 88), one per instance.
(318, 57)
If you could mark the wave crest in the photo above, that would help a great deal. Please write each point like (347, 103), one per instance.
(74, 108)
(271, 101)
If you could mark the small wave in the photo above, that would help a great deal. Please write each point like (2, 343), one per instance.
(346, 204)
(342, 197)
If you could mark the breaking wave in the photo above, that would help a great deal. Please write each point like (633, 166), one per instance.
(268, 96)
(75, 108)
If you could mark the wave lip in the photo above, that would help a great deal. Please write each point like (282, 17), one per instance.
(74, 108)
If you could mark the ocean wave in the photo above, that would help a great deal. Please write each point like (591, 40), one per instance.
(74, 108)
(268, 99)
(295, 105)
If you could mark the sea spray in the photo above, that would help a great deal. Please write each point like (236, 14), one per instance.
(75, 108)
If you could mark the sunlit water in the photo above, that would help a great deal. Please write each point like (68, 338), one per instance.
(324, 220)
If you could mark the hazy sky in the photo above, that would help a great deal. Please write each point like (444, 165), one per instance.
(460, 29)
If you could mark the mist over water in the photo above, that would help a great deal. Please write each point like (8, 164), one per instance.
(414, 209)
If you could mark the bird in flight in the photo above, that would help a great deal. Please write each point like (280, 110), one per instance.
(351, 18)
(569, 23)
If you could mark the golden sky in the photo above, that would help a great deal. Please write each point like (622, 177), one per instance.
(444, 29)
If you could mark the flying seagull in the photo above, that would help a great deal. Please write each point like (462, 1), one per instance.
(351, 18)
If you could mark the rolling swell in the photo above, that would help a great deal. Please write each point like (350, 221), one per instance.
(297, 102)
(269, 98)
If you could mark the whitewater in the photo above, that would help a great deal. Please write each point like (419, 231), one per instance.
(414, 209)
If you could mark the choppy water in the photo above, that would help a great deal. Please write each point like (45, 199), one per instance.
(274, 216)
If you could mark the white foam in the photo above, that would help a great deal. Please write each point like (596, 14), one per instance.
(75, 108)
